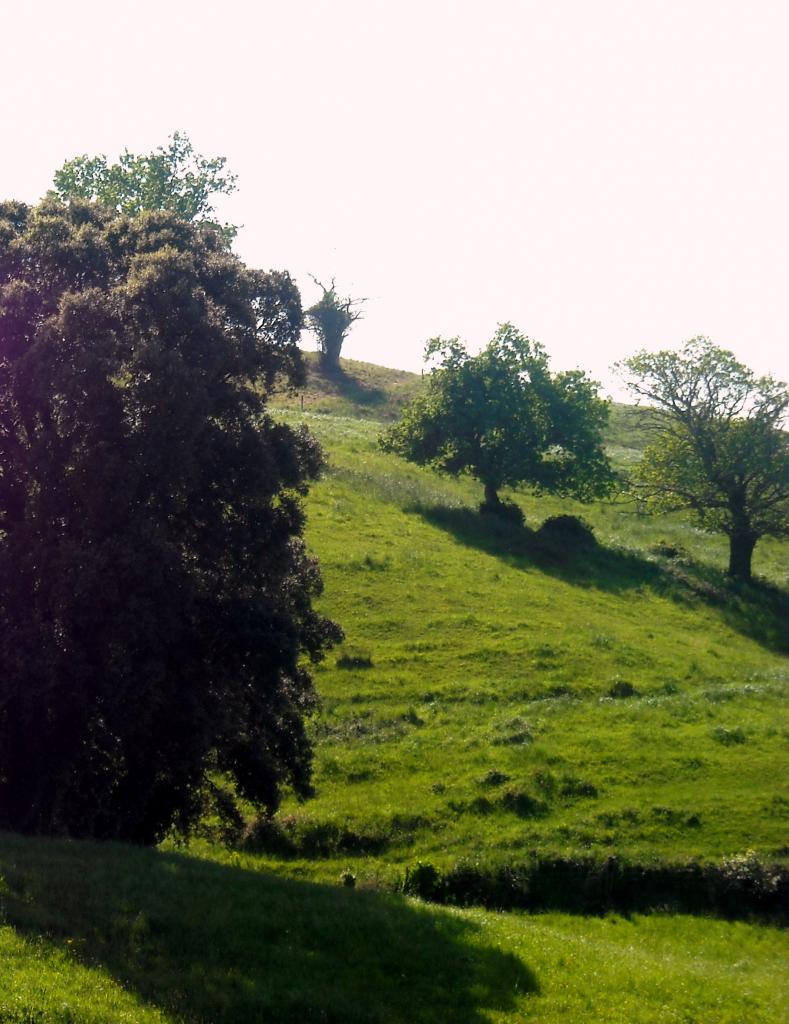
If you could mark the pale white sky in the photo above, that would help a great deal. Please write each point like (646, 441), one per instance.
(606, 174)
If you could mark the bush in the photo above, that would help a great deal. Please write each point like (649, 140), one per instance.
(424, 881)
(354, 659)
(621, 689)
(523, 804)
(739, 887)
(567, 531)
(494, 778)
(668, 550)
(729, 737)
(571, 786)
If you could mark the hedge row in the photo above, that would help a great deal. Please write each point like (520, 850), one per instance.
(739, 887)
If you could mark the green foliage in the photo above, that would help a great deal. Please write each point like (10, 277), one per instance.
(155, 593)
(740, 886)
(718, 449)
(502, 417)
(568, 530)
(331, 318)
(172, 178)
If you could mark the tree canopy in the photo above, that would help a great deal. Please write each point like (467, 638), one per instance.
(172, 177)
(719, 449)
(331, 318)
(156, 612)
(503, 417)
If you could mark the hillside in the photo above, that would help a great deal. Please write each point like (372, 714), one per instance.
(510, 721)
(361, 390)
(479, 706)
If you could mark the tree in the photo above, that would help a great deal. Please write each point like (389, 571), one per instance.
(505, 419)
(172, 177)
(332, 318)
(718, 450)
(155, 593)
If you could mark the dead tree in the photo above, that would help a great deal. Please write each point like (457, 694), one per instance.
(331, 318)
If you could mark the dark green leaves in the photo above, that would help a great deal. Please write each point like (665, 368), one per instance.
(155, 593)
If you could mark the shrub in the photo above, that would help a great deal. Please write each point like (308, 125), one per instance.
(740, 887)
(523, 804)
(354, 659)
(621, 689)
(729, 737)
(494, 778)
(567, 531)
(571, 786)
(423, 881)
(666, 549)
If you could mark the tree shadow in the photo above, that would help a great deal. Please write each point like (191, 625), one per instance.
(206, 941)
(590, 565)
(339, 382)
(757, 610)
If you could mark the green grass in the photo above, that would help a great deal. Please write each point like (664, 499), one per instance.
(472, 651)
(361, 390)
(115, 934)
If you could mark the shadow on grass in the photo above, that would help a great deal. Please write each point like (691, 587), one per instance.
(341, 383)
(589, 566)
(205, 941)
(757, 610)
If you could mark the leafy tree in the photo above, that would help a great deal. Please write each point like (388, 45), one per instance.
(505, 419)
(719, 450)
(331, 318)
(155, 593)
(173, 178)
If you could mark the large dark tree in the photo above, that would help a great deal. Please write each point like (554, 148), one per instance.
(718, 448)
(155, 594)
(504, 418)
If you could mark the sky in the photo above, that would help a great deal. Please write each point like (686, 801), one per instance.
(608, 175)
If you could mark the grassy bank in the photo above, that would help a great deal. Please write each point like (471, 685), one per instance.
(114, 934)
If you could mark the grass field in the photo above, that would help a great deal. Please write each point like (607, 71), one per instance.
(472, 711)
(112, 935)
(499, 699)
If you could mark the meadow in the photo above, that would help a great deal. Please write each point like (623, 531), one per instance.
(499, 695)
(507, 706)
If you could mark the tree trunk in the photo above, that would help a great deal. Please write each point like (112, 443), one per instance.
(330, 361)
(492, 501)
(331, 346)
(741, 547)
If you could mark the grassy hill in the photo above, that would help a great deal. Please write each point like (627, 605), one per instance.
(479, 705)
(361, 390)
(505, 708)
